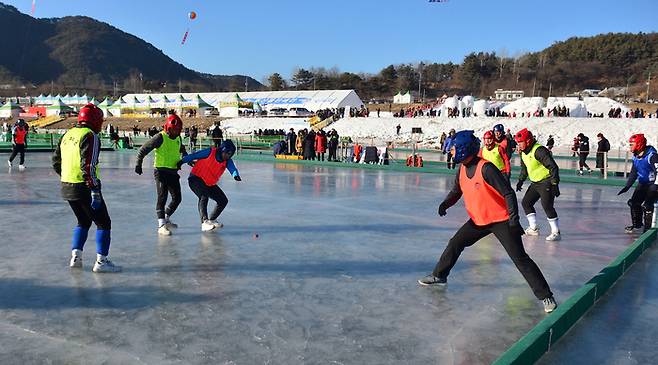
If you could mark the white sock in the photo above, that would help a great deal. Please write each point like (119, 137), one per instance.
(76, 253)
(532, 220)
(555, 228)
(100, 258)
(161, 222)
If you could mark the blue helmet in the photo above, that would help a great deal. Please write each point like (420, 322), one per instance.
(499, 128)
(227, 146)
(466, 144)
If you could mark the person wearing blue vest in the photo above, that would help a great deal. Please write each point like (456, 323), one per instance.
(645, 166)
(208, 169)
(76, 161)
(169, 148)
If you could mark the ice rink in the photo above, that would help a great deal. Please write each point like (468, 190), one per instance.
(331, 278)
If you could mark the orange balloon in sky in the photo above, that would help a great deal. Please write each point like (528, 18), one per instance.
(192, 15)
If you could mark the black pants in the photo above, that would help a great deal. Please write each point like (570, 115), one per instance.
(166, 183)
(536, 191)
(582, 160)
(319, 156)
(217, 142)
(641, 204)
(469, 234)
(86, 215)
(16, 149)
(451, 165)
(203, 192)
(332, 154)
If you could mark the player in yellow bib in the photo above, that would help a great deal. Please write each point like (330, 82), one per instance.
(76, 161)
(538, 165)
(169, 149)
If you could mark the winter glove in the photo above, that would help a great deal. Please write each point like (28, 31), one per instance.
(179, 164)
(555, 190)
(443, 209)
(96, 199)
(138, 169)
(625, 189)
(237, 178)
(519, 186)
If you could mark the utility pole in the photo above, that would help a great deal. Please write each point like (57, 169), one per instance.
(246, 84)
(550, 88)
(534, 83)
(648, 85)
(179, 86)
(420, 76)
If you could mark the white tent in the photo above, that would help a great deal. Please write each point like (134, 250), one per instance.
(106, 106)
(401, 98)
(57, 107)
(10, 110)
(311, 100)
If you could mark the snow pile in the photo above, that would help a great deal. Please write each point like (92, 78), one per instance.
(576, 107)
(480, 107)
(603, 105)
(468, 101)
(524, 105)
(563, 129)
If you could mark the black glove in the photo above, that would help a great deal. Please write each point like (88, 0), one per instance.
(555, 190)
(138, 169)
(625, 189)
(443, 209)
(237, 178)
(179, 164)
(519, 186)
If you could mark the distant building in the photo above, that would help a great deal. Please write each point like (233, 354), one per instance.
(586, 93)
(508, 95)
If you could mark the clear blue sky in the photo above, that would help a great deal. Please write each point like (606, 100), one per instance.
(259, 37)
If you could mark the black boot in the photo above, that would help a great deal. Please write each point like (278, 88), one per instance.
(636, 218)
(648, 218)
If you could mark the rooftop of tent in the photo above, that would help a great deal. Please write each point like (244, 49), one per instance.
(312, 100)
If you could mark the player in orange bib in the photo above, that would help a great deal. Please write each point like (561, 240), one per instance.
(208, 169)
(492, 207)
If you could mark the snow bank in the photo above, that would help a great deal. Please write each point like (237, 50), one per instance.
(562, 129)
(603, 105)
(576, 107)
(480, 107)
(524, 105)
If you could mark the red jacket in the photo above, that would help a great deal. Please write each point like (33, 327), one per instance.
(320, 143)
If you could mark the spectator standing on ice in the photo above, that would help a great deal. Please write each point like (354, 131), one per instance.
(291, 141)
(216, 135)
(492, 208)
(76, 161)
(583, 152)
(550, 143)
(333, 145)
(18, 143)
(645, 167)
(320, 144)
(537, 164)
(602, 148)
(169, 148)
(447, 148)
(397, 129)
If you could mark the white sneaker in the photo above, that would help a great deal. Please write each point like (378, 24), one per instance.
(549, 304)
(164, 230)
(105, 266)
(21, 167)
(217, 224)
(76, 259)
(530, 231)
(207, 226)
(554, 236)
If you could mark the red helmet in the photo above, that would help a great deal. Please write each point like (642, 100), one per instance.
(524, 135)
(91, 116)
(638, 141)
(488, 138)
(173, 123)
